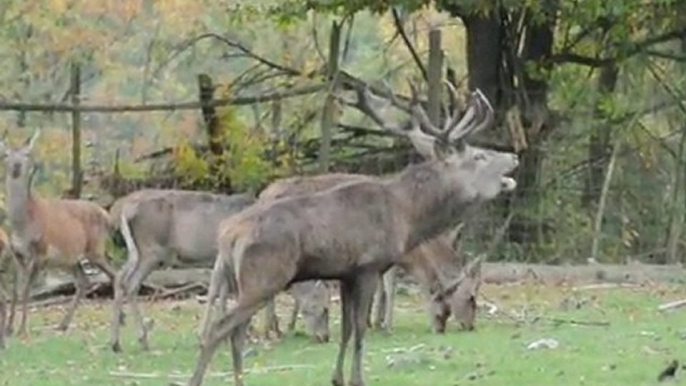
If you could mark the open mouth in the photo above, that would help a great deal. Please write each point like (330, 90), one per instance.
(507, 183)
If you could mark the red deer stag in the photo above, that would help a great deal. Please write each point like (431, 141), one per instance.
(433, 264)
(353, 232)
(50, 232)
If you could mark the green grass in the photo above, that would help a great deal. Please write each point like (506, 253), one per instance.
(636, 346)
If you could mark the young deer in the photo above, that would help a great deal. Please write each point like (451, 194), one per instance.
(51, 233)
(352, 232)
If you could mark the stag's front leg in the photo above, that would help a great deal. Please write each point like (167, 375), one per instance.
(346, 330)
(81, 287)
(363, 293)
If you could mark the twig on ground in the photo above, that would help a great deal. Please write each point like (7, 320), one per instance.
(188, 287)
(606, 286)
(558, 321)
(672, 305)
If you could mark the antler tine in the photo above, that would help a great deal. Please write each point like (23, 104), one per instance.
(364, 104)
(469, 120)
(487, 111)
(419, 113)
(32, 141)
(451, 118)
(394, 99)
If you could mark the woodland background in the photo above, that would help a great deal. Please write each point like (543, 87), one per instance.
(589, 93)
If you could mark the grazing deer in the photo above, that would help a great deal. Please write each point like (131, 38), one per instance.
(353, 232)
(49, 232)
(171, 227)
(444, 279)
(311, 299)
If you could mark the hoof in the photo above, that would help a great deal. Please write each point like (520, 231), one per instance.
(116, 347)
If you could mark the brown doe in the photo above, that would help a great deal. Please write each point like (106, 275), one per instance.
(353, 232)
(50, 232)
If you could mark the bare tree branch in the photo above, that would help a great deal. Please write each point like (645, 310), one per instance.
(66, 107)
(401, 30)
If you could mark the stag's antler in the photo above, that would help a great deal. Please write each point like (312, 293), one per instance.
(479, 114)
(421, 141)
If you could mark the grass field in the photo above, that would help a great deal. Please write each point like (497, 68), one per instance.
(632, 350)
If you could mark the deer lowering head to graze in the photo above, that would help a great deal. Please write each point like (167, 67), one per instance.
(353, 232)
(50, 232)
(165, 227)
(444, 280)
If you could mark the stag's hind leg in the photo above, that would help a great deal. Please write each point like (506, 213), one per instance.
(233, 324)
(81, 287)
(218, 289)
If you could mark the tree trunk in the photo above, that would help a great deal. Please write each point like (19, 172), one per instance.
(209, 114)
(434, 75)
(599, 145)
(328, 112)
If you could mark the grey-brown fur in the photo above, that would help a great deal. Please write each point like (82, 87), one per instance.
(433, 264)
(170, 227)
(351, 233)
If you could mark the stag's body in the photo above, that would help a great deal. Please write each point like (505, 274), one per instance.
(172, 227)
(351, 233)
(52, 233)
(433, 264)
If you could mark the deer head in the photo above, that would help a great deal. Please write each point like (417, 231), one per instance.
(19, 162)
(458, 298)
(315, 311)
(485, 171)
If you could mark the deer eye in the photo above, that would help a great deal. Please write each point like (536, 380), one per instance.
(480, 156)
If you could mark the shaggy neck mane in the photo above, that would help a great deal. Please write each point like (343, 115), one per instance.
(432, 203)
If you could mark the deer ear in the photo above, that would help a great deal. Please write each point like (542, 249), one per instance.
(31, 142)
(442, 149)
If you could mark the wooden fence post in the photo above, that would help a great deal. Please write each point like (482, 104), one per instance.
(76, 174)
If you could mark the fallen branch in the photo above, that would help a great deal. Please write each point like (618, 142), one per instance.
(672, 305)
(559, 321)
(187, 288)
(606, 286)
